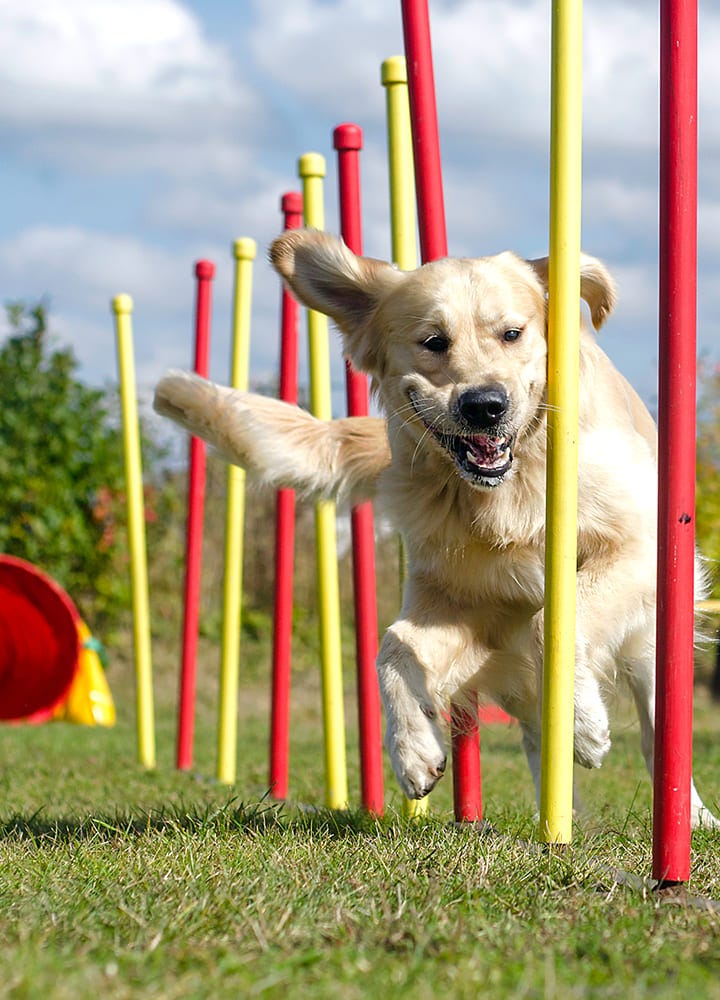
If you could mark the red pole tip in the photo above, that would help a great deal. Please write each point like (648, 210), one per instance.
(348, 136)
(205, 269)
(292, 201)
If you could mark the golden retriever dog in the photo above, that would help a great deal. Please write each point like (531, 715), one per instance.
(457, 353)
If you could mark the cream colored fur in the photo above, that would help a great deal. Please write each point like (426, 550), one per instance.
(457, 354)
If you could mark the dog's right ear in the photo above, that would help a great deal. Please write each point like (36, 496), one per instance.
(328, 277)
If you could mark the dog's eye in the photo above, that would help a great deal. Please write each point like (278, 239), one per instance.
(511, 335)
(437, 343)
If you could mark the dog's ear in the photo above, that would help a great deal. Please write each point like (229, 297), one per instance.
(328, 277)
(596, 285)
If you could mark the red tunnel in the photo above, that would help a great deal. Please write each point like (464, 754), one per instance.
(39, 643)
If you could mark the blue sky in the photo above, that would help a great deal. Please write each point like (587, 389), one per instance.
(139, 135)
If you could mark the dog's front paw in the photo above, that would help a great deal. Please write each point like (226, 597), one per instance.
(592, 738)
(591, 752)
(592, 726)
(418, 757)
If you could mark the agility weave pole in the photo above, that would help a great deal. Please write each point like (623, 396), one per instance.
(400, 160)
(311, 167)
(676, 439)
(244, 252)
(467, 791)
(347, 141)
(291, 205)
(403, 230)
(122, 306)
(204, 273)
(556, 773)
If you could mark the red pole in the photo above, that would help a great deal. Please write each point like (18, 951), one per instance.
(467, 775)
(426, 139)
(676, 428)
(347, 140)
(204, 272)
(291, 205)
(433, 244)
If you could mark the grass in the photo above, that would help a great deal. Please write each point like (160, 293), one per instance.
(129, 883)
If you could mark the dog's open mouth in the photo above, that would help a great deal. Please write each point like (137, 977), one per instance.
(482, 459)
(480, 456)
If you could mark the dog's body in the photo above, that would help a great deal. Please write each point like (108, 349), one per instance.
(457, 354)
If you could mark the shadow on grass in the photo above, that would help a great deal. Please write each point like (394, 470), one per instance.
(262, 816)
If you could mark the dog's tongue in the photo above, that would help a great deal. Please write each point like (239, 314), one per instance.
(485, 452)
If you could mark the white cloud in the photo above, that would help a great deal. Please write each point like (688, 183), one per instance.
(209, 132)
(87, 266)
(132, 49)
(99, 85)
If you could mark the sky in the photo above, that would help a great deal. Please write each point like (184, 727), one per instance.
(137, 136)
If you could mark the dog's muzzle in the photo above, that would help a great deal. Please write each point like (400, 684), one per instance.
(483, 459)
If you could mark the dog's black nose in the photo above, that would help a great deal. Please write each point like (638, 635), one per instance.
(483, 408)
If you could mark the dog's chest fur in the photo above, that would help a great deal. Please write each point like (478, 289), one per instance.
(482, 549)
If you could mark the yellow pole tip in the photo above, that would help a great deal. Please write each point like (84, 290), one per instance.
(393, 70)
(311, 165)
(122, 304)
(245, 248)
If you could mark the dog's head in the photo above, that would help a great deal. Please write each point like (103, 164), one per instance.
(456, 349)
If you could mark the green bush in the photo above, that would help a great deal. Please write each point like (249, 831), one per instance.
(61, 468)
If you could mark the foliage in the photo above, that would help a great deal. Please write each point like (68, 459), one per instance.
(61, 467)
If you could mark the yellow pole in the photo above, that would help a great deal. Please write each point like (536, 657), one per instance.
(311, 168)
(402, 224)
(122, 307)
(400, 156)
(244, 251)
(563, 373)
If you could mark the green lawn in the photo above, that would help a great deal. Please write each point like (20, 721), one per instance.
(124, 883)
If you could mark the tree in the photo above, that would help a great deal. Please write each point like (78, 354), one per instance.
(61, 467)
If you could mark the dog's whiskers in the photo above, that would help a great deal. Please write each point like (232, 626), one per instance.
(418, 447)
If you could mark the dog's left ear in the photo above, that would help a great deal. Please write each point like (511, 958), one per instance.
(596, 285)
(328, 277)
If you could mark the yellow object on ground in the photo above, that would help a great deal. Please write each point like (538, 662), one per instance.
(89, 701)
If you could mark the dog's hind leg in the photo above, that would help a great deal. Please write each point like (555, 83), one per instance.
(591, 723)
(531, 746)
(641, 677)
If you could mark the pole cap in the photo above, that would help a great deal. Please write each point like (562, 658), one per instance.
(245, 248)
(311, 165)
(394, 70)
(122, 304)
(292, 203)
(348, 136)
(204, 269)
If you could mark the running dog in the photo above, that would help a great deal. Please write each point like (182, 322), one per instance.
(457, 354)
